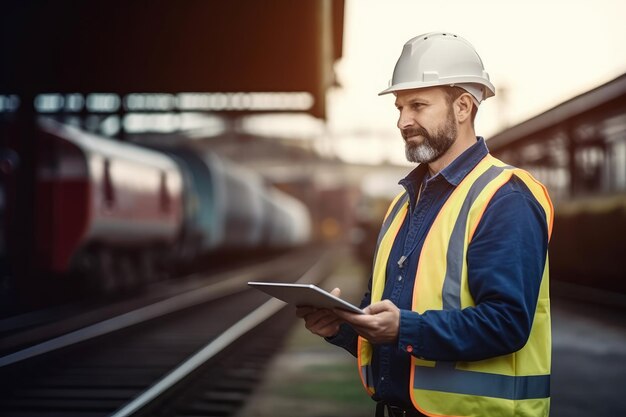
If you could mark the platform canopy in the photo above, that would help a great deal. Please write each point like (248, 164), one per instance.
(157, 46)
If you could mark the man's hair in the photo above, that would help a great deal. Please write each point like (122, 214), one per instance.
(452, 93)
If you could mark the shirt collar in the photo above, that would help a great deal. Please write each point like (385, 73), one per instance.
(453, 173)
(464, 163)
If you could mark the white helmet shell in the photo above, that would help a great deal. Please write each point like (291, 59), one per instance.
(436, 59)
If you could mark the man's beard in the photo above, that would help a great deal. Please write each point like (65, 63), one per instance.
(433, 145)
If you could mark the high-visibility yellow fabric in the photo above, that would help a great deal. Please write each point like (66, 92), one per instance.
(513, 385)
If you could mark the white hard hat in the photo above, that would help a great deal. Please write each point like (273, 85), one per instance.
(438, 58)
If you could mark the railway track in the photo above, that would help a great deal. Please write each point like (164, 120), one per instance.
(200, 352)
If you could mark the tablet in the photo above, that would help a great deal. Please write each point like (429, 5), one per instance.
(304, 295)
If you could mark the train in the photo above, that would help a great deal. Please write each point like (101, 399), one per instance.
(118, 216)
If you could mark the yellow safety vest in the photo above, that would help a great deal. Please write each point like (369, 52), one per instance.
(513, 385)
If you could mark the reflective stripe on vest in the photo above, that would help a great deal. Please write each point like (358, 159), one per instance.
(510, 385)
(455, 256)
(449, 379)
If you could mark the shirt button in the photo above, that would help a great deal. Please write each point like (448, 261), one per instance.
(399, 277)
(382, 378)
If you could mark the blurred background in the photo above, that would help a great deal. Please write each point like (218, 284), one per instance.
(155, 156)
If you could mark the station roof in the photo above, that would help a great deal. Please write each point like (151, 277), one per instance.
(159, 46)
(601, 101)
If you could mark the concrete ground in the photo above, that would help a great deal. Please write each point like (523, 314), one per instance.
(310, 377)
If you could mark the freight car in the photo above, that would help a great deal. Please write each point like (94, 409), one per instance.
(228, 207)
(120, 215)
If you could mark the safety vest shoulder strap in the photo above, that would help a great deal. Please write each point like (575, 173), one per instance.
(391, 225)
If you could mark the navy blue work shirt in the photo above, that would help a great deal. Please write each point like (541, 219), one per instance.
(505, 261)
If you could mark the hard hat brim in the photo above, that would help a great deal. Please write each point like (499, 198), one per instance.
(490, 90)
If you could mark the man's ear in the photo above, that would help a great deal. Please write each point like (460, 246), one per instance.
(463, 107)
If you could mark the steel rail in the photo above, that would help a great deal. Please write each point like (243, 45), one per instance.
(143, 314)
(249, 322)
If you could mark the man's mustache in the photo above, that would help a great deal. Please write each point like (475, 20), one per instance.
(413, 131)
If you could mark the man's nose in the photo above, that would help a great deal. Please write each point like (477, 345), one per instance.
(405, 120)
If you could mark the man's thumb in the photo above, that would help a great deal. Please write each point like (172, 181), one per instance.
(336, 292)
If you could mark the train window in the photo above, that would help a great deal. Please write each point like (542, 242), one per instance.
(614, 132)
(103, 102)
(165, 201)
(617, 165)
(533, 153)
(9, 103)
(107, 183)
(49, 103)
(590, 167)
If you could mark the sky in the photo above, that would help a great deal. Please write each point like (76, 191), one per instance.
(537, 53)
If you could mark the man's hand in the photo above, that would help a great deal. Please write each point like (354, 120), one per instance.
(321, 321)
(380, 323)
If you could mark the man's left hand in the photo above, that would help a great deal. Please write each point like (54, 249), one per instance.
(380, 323)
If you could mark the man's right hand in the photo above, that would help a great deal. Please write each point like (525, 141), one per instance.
(320, 321)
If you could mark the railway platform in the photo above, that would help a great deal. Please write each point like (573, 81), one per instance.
(311, 378)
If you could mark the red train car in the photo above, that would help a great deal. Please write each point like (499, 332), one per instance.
(96, 198)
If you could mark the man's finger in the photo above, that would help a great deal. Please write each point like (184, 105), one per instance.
(320, 316)
(327, 324)
(380, 307)
(364, 321)
(303, 311)
(344, 314)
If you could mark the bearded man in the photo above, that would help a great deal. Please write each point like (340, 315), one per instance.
(457, 316)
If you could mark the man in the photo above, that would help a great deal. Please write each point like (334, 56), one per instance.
(457, 316)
